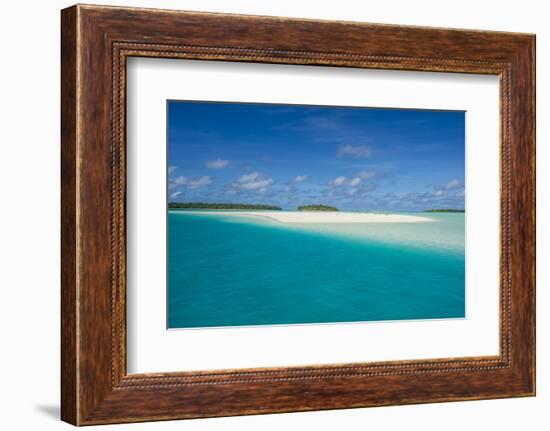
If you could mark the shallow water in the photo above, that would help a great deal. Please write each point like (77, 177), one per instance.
(227, 270)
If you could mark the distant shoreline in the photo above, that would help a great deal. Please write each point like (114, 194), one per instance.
(264, 207)
(220, 206)
(317, 207)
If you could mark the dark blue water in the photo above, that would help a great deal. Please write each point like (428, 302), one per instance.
(223, 272)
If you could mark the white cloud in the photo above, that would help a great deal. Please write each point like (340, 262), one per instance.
(217, 164)
(366, 174)
(175, 195)
(300, 178)
(249, 177)
(339, 181)
(200, 182)
(180, 181)
(253, 181)
(352, 191)
(254, 185)
(355, 182)
(453, 185)
(355, 151)
(172, 169)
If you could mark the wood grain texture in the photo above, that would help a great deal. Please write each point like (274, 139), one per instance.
(69, 366)
(96, 41)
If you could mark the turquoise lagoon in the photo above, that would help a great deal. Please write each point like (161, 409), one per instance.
(227, 270)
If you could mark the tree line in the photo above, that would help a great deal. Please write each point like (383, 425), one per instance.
(220, 206)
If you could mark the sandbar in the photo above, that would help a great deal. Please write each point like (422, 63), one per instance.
(327, 216)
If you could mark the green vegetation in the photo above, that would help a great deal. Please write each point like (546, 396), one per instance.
(317, 208)
(219, 206)
(444, 210)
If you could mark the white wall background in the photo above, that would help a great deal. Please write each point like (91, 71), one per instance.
(29, 215)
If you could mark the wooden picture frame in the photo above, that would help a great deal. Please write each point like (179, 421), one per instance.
(95, 43)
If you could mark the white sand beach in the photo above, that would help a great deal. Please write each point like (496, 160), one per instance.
(330, 217)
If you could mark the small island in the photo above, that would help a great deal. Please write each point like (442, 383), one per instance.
(317, 208)
(444, 210)
(219, 206)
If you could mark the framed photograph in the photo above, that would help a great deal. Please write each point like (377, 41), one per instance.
(267, 215)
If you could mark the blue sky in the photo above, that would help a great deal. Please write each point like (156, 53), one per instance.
(291, 155)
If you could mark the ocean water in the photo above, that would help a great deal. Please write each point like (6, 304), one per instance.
(233, 271)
